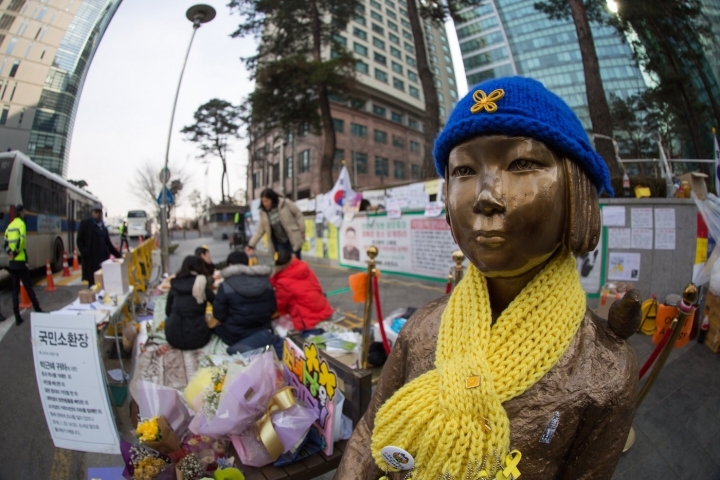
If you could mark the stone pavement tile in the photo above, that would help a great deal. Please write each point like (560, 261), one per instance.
(658, 424)
(682, 405)
(652, 467)
(685, 456)
(668, 381)
(640, 449)
(704, 426)
(713, 448)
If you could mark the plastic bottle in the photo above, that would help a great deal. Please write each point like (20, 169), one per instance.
(626, 184)
(704, 326)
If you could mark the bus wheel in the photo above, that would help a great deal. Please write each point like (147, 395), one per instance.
(57, 259)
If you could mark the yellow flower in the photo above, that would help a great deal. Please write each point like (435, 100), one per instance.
(162, 325)
(327, 379)
(148, 430)
(311, 358)
(219, 386)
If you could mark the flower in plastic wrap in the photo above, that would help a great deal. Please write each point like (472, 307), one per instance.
(142, 463)
(159, 401)
(244, 395)
(158, 435)
(148, 430)
(189, 468)
(209, 451)
(198, 383)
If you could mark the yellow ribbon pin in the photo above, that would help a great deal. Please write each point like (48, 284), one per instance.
(486, 102)
(511, 471)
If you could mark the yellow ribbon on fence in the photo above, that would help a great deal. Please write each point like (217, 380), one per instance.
(282, 400)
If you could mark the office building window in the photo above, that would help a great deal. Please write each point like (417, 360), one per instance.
(381, 166)
(379, 111)
(436, 70)
(380, 75)
(20, 119)
(399, 169)
(304, 129)
(394, 38)
(438, 83)
(398, 142)
(407, 34)
(4, 114)
(255, 180)
(442, 111)
(41, 13)
(399, 84)
(451, 81)
(445, 48)
(453, 94)
(359, 19)
(391, 14)
(414, 147)
(376, 4)
(358, 130)
(397, 68)
(396, 117)
(443, 38)
(414, 92)
(392, 26)
(304, 160)
(430, 37)
(380, 136)
(359, 162)
(432, 47)
(341, 40)
(338, 125)
(409, 48)
(359, 33)
(6, 21)
(381, 59)
(415, 171)
(338, 158)
(378, 29)
(361, 66)
(441, 97)
(410, 61)
(448, 69)
(403, 12)
(405, 23)
(395, 53)
(376, 16)
(448, 60)
(412, 76)
(361, 49)
(389, 4)
(433, 58)
(378, 43)
(360, 9)
(289, 167)
(14, 69)
(275, 173)
(414, 124)
(11, 45)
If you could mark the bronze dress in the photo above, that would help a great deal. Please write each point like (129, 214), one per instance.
(591, 393)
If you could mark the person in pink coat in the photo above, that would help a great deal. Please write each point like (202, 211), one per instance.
(298, 292)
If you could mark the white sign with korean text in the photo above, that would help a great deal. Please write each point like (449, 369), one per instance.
(71, 383)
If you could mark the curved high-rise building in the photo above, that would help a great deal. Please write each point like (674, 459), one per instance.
(46, 47)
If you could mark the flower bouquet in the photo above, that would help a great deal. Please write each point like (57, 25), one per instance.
(155, 433)
(189, 468)
(141, 463)
(159, 401)
(236, 396)
(210, 451)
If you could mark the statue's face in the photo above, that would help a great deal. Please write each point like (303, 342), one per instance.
(506, 202)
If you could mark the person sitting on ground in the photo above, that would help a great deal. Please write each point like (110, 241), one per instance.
(244, 305)
(203, 252)
(298, 292)
(185, 326)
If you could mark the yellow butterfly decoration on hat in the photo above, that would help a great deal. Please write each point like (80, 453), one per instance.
(486, 102)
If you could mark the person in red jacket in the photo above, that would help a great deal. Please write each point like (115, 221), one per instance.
(298, 292)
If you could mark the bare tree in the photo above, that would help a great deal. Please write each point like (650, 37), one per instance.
(146, 185)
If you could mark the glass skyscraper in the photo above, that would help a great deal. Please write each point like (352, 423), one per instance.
(510, 37)
(46, 48)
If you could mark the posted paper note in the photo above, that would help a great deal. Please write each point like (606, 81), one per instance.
(623, 266)
(664, 218)
(665, 238)
(619, 238)
(642, 238)
(613, 216)
(641, 217)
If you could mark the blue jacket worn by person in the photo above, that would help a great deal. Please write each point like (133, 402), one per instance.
(185, 326)
(245, 302)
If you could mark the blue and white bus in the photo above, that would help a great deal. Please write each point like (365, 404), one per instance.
(53, 209)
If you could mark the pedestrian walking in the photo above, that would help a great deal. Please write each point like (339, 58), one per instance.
(124, 236)
(15, 247)
(282, 221)
(94, 243)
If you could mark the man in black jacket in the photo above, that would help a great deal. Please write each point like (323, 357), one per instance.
(93, 241)
(244, 306)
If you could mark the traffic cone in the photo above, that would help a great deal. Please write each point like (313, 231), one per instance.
(24, 299)
(50, 282)
(76, 263)
(66, 269)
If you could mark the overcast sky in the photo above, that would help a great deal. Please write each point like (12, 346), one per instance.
(123, 118)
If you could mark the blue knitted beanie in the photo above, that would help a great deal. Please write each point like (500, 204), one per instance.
(518, 106)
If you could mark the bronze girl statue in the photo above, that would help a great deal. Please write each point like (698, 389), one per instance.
(512, 374)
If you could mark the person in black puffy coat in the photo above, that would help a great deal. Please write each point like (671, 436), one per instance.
(244, 305)
(185, 326)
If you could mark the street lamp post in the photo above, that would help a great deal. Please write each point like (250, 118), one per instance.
(197, 14)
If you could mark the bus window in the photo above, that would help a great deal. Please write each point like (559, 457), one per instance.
(137, 214)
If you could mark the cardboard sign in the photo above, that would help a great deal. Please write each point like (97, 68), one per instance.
(665, 316)
(71, 382)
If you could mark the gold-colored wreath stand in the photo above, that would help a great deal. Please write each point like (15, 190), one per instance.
(685, 310)
(372, 252)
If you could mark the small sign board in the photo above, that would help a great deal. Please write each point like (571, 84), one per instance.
(169, 200)
(164, 175)
(71, 383)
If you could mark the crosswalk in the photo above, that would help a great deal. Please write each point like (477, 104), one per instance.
(75, 278)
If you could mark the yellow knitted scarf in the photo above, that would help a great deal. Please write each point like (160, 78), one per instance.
(449, 428)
